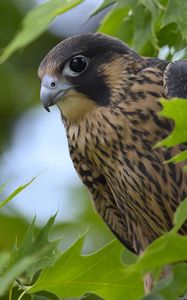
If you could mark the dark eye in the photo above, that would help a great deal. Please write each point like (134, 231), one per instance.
(78, 64)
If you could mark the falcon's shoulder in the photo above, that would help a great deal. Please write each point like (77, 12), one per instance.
(175, 79)
(172, 75)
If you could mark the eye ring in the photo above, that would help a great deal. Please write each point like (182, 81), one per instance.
(78, 64)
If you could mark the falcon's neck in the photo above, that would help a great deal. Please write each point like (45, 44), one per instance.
(131, 121)
(95, 130)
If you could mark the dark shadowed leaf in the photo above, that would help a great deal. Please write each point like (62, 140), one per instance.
(176, 12)
(91, 297)
(171, 36)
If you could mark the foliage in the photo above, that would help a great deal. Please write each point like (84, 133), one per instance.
(40, 18)
(35, 268)
(16, 192)
(23, 263)
(175, 109)
(73, 274)
(145, 25)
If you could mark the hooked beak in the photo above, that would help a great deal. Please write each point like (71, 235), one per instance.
(52, 89)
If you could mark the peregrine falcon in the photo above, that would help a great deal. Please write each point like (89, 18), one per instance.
(108, 96)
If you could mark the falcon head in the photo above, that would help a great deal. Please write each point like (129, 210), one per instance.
(82, 73)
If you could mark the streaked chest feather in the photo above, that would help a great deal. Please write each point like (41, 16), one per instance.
(118, 143)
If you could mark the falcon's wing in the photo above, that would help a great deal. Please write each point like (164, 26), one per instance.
(175, 79)
(103, 200)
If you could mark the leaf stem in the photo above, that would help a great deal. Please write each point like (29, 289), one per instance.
(22, 294)
(10, 293)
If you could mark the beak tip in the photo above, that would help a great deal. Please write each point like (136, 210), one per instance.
(47, 108)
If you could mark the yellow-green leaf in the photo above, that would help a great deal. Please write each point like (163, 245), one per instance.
(175, 109)
(102, 273)
(16, 192)
(180, 215)
(35, 23)
(179, 157)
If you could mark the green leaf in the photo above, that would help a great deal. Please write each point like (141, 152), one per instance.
(12, 226)
(35, 23)
(118, 22)
(117, 4)
(180, 215)
(8, 277)
(45, 252)
(134, 22)
(73, 275)
(145, 19)
(169, 248)
(175, 109)
(16, 192)
(141, 27)
(179, 157)
(128, 257)
(153, 297)
(113, 22)
(4, 258)
(171, 36)
(153, 6)
(101, 273)
(176, 12)
(155, 9)
(127, 30)
(105, 4)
